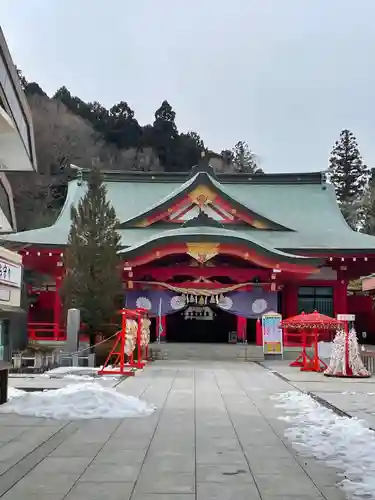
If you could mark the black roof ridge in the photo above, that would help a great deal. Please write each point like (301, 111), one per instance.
(225, 178)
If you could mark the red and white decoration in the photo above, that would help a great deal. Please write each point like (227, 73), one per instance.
(144, 303)
(131, 337)
(345, 358)
(145, 332)
(192, 211)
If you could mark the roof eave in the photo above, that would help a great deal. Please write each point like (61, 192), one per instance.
(331, 252)
(159, 241)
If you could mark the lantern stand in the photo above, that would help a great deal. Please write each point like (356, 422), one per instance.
(118, 350)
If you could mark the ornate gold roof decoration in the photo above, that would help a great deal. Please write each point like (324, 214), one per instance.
(202, 252)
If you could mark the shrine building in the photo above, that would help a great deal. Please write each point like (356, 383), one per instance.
(207, 253)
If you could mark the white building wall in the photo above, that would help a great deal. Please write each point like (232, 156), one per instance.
(5, 226)
(10, 278)
(17, 148)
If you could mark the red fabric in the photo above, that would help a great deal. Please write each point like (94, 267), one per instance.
(241, 327)
(313, 320)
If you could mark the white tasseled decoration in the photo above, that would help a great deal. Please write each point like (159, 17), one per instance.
(337, 361)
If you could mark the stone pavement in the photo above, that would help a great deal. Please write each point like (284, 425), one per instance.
(215, 435)
(355, 397)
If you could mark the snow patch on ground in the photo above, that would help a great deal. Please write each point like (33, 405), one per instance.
(14, 393)
(70, 369)
(78, 373)
(72, 376)
(75, 402)
(360, 393)
(344, 443)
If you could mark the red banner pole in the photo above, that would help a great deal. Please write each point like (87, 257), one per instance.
(139, 348)
(348, 370)
(122, 344)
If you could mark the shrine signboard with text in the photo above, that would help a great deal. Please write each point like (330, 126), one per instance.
(10, 274)
(272, 334)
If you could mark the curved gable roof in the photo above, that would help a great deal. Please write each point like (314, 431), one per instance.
(201, 178)
(299, 201)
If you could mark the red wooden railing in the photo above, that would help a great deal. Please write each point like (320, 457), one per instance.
(49, 332)
(46, 331)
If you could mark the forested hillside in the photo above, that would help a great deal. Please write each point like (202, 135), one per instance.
(70, 131)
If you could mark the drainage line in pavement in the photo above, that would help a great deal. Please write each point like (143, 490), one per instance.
(318, 399)
(330, 406)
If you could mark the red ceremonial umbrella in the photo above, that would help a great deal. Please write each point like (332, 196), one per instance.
(313, 322)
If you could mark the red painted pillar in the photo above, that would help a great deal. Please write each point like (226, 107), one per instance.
(164, 325)
(241, 329)
(340, 298)
(290, 300)
(163, 331)
(258, 332)
(57, 309)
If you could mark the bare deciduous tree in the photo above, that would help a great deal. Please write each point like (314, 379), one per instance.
(61, 138)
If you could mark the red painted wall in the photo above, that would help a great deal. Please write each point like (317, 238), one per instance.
(42, 310)
(362, 307)
(289, 300)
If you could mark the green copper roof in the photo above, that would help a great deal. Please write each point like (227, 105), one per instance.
(215, 234)
(198, 179)
(300, 202)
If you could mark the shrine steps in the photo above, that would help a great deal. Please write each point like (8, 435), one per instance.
(206, 351)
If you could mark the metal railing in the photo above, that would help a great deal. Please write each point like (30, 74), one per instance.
(368, 359)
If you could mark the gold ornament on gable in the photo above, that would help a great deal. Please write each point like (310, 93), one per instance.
(202, 252)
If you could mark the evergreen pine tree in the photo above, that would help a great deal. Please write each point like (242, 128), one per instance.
(348, 173)
(165, 136)
(244, 159)
(189, 149)
(369, 207)
(92, 282)
(227, 156)
(124, 130)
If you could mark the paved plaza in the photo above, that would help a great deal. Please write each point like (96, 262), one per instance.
(215, 435)
(356, 397)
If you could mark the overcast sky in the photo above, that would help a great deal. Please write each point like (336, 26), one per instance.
(284, 75)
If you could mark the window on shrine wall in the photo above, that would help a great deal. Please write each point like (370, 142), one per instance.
(315, 298)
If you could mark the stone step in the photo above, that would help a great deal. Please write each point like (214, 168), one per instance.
(206, 351)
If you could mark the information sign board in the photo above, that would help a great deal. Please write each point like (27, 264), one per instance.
(346, 317)
(272, 333)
